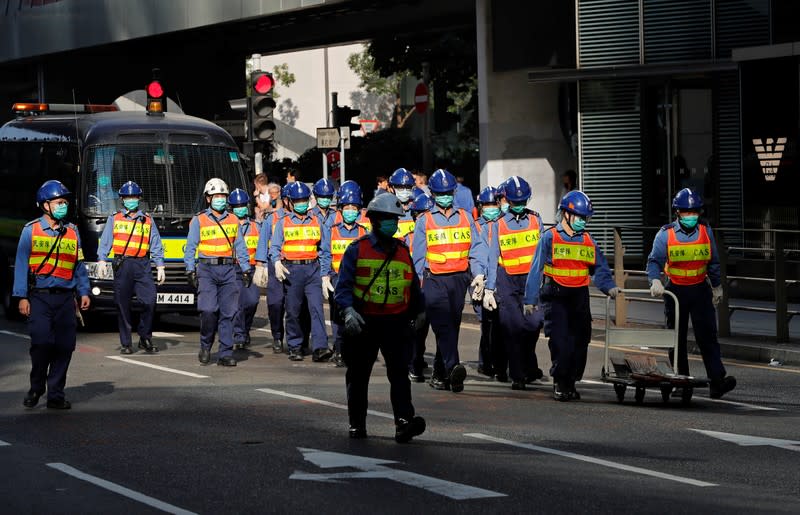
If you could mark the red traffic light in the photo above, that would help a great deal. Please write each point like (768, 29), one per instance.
(263, 84)
(154, 90)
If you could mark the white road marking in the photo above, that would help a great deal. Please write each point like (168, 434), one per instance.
(157, 367)
(4, 444)
(18, 335)
(589, 459)
(319, 401)
(372, 468)
(166, 335)
(751, 441)
(119, 489)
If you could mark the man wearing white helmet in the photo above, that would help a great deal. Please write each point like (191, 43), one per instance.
(214, 246)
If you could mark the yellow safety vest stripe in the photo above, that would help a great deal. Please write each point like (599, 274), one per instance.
(690, 252)
(566, 272)
(584, 253)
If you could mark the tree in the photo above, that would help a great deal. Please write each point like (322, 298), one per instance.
(363, 65)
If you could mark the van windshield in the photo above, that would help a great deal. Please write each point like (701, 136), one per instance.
(171, 176)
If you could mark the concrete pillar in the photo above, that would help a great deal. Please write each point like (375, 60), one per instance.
(519, 126)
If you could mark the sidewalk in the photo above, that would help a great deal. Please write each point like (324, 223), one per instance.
(752, 334)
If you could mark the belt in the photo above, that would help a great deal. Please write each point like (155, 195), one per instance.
(299, 261)
(216, 261)
(54, 290)
(133, 258)
(445, 274)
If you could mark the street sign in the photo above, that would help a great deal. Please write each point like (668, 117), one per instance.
(345, 134)
(327, 137)
(421, 98)
(368, 126)
(334, 159)
(372, 468)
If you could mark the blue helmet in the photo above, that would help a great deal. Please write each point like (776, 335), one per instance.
(501, 190)
(130, 189)
(516, 189)
(349, 196)
(238, 197)
(51, 190)
(350, 187)
(488, 195)
(442, 181)
(422, 203)
(285, 191)
(576, 202)
(687, 199)
(401, 177)
(297, 190)
(324, 188)
(416, 192)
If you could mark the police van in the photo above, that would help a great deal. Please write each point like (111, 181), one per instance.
(94, 149)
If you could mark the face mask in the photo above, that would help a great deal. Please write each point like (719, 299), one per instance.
(517, 210)
(59, 212)
(504, 208)
(578, 224)
(404, 195)
(444, 200)
(491, 213)
(241, 212)
(387, 228)
(301, 208)
(219, 204)
(131, 203)
(324, 202)
(689, 221)
(349, 216)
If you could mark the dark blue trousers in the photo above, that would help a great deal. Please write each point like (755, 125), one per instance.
(518, 332)
(419, 335)
(492, 356)
(695, 302)
(52, 327)
(444, 304)
(217, 302)
(390, 335)
(304, 284)
(134, 277)
(568, 324)
(276, 294)
(248, 303)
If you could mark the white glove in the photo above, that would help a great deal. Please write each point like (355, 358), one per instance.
(161, 276)
(489, 303)
(716, 295)
(656, 288)
(104, 270)
(327, 286)
(528, 309)
(613, 292)
(478, 284)
(261, 276)
(281, 272)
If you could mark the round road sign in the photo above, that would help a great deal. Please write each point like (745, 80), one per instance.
(421, 98)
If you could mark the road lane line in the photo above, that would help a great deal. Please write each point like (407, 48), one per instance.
(737, 403)
(589, 459)
(166, 335)
(319, 401)
(119, 489)
(157, 367)
(18, 335)
(4, 444)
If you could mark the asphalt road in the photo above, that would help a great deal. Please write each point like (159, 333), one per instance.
(270, 436)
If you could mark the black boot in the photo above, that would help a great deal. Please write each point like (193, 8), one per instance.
(407, 429)
(147, 345)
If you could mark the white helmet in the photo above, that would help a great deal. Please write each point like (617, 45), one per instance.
(215, 186)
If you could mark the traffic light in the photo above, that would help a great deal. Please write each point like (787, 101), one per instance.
(261, 126)
(156, 99)
(342, 116)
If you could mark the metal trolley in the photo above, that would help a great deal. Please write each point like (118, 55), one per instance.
(644, 371)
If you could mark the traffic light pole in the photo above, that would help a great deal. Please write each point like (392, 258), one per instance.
(341, 158)
(248, 147)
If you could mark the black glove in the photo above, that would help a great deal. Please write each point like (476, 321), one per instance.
(247, 279)
(191, 278)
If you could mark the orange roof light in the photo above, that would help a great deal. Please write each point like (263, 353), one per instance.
(32, 108)
(22, 107)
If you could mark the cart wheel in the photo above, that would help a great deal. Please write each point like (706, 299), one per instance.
(665, 393)
(620, 388)
(639, 395)
(686, 397)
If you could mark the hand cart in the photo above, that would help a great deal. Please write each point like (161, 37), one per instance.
(642, 371)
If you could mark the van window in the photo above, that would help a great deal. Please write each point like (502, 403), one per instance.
(171, 176)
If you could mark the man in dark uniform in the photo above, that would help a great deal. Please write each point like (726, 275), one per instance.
(48, 270)
(379, 297)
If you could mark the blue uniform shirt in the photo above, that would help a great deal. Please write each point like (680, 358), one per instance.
(324, 219)
(477, 250)
(544, 255)
(658, 256)
(262, 251)
(514, 223)
(347, 277)
(463, 198)
(324, 250)
(80, 278)
(107, 239)
(193, 240)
